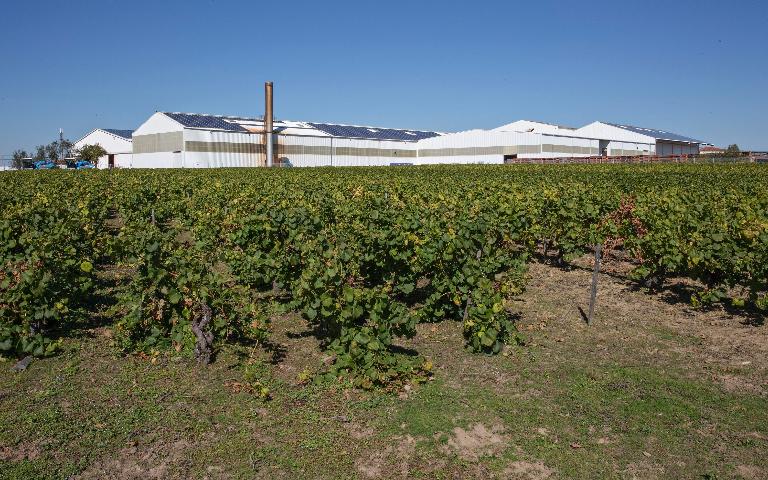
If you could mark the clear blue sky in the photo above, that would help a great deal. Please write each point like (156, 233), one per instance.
(698, 68)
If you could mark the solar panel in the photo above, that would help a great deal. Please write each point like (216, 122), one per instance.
(196, 120)
(374, 133)
(657, 134)
(127, 134)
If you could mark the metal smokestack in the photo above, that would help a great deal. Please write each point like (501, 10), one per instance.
(268, 124)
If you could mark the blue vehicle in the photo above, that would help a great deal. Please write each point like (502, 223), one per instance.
(43, 165)
(83, 165)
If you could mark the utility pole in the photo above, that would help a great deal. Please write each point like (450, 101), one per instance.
(61, 144)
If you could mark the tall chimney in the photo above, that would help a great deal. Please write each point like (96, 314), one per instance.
(268, 120)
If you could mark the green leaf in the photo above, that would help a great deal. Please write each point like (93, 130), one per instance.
(174, 297)
(362, 338)
(86, 266)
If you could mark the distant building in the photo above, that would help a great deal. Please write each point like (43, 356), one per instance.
(711, 150)
(117, 143)
(189, 140)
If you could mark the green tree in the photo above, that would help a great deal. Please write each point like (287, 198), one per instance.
(733, 149)
(18, 158)
(39, 153)
(55, 151)
(52, 151)
(91, 152)
(66, 147)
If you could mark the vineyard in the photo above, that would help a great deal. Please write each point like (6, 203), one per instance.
(206, 258)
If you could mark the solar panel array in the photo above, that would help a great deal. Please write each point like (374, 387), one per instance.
(373, 133)
(127, 134)
(657, 134)
(196, 120)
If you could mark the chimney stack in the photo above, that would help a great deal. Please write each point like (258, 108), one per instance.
(268, 124)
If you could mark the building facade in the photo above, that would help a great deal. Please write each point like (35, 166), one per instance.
(117, 143)
(184, 140)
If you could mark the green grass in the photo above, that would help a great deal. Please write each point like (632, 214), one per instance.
(90, 411)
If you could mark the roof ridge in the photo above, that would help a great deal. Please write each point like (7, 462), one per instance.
(545, 123)
(225, 117)
(371, 126)
(655, 133)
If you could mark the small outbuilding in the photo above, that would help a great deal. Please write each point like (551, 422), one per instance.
(118, 144)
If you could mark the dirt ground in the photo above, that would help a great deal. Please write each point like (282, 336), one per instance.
(651, 389)
(726, 347)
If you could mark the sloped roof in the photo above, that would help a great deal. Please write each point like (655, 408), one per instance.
(373, 133)
(215, 122)
(126, 134)
(657, 134)
(239, 124)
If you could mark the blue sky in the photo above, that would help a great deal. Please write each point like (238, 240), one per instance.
(698, 68)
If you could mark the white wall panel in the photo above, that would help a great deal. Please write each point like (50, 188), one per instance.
(122, 160)
(155, 160)
(222, 149)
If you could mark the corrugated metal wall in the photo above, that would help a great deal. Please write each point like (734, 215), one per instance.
(158, 142)
(626, 149)
(483, 146)
(198, 148)
(673, 148)
(308, 151)
(219, 149)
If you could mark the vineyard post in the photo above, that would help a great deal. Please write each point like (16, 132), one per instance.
(593, 293)
(469, 295)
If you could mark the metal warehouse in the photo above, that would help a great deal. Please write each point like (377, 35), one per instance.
(201, 141)
(192, 140)
(184, 140)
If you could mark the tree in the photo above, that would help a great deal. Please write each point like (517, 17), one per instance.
(18, 159)
(55, 151)
(733, 149)
(91, 152)
(39, 153)
(52, 151)
(66, 147)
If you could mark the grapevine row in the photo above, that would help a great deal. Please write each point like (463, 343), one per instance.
(362, 254)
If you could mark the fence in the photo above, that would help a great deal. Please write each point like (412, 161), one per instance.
(6, 162)
(637, 159)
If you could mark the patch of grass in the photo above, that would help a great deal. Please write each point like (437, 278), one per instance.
(611, 411)
(669, 335)
(590, 418)
(432, 408)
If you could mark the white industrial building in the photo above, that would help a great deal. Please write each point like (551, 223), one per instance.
(117, 143)
(184, 140)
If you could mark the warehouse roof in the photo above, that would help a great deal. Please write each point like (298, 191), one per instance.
(122, 133)
(215, 122)
(126, 134)
(657, 134)
(243, 124)
(373, 133)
